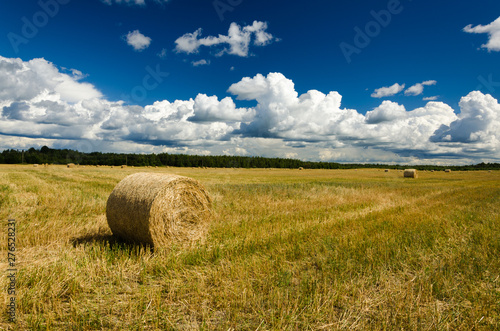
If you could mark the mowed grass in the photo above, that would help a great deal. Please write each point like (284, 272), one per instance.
(287, 250)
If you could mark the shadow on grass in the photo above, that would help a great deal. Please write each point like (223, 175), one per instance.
(109, 240)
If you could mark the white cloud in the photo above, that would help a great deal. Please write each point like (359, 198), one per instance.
(236, 42)
(387, 111)
(137, 40)
(387, 91)
(478, 123)
(493, 31)
(162, 54)
(418, 88)
(433, 98)
(40, 104)
(201, 62)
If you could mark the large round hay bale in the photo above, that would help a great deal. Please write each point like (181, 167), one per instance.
(71, 165)
(447, 170)
(158, 209)
(410, 173)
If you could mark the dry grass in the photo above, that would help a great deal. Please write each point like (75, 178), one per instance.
(287, 250)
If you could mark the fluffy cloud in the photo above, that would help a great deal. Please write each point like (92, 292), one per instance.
(237, 42)
(387, 111)
(387, 91)
(478, 123)
(137, 40)
(41, 104)
(201, 62)
(418, 88)
(493, 31)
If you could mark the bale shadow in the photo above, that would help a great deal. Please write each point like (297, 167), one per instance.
(108, 240)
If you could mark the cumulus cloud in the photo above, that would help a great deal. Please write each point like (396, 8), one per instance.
(137, 40)
(387, 111)
(201, 62)
(478, 122)
(40, 104)
(435, 97)
(493, 31)
(387, 91)
(236, 42)
(418, 88)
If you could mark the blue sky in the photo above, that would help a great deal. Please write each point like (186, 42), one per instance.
(347, 81)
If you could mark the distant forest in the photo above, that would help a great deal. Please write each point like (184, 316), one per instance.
(65, 156)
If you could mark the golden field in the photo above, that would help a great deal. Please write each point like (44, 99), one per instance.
(286, 250)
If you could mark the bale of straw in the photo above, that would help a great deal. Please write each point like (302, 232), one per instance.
(410, 173)
(159, 209)
(35, 165)
(300, 168)
(124, 166)
(386, 170)
(71, 165)
(447, 170)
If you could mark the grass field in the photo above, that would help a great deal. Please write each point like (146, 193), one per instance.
(287, 250)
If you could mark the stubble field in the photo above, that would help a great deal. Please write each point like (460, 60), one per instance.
(286, 250)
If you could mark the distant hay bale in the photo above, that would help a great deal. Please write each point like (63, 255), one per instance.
(386, 170)
(124, 166)
(410, 173)
(71, 165)
(447, 170)
(158, 209)
(35, 165)
(300, 168)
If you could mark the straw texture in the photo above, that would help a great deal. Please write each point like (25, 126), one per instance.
(158, 209)
(410, 173)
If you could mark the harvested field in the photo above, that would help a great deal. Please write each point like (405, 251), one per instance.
(286, 250)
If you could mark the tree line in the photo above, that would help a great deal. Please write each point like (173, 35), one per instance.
(65, 156)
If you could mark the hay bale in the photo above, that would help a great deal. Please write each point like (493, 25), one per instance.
(410, 173)
(71, 165)
(158, 209)
(386, 170)
(124, 166)
(35, 165)
(300, 168)
(447, 170)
